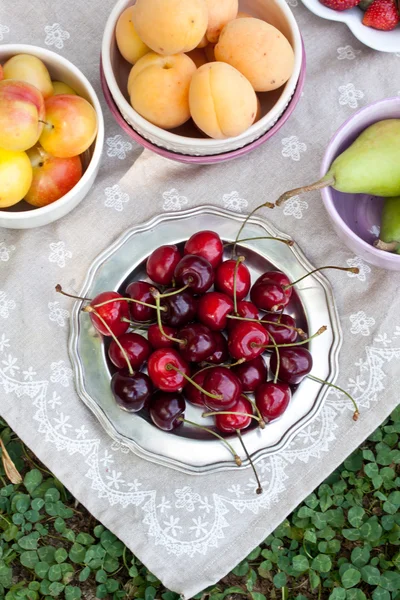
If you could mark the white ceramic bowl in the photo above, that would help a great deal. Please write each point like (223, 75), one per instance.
(187, 139)
(385, 41)
(22, 215)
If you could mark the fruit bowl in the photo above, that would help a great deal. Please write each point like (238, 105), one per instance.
(384, 41)
(22, 215)
(187, 140)
(356, 217)
(186, 449)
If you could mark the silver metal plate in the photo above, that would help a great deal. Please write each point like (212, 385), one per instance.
(186, 450)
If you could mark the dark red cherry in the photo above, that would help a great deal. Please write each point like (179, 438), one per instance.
(276, 277)
(180, 308)
(220, 381)
(220, 354)
(268, 296)
(213, 309)
(207, 244)
(136, 347)
(161, 264)
(141, 290)
(162, 375)
(224, 277)
(251, 373)
(157, 339)
(192, 394)
(131, 392)
(246, 310)
(196, 272)
(232, 422)
(197, 342)
(281, 335)
(295, 364)
(166, 409)
(272, 399)
(111, 313)
(246, 340)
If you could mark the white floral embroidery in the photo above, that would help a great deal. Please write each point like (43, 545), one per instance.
(173, 201)
(5, 305)
(29, 374)
(134, 486)
(81, 433)
(172, 526)
(3, 30)
(357, 384)
(10, 365)
(361, 323)
(308, 435)
(114, 480)
(107, 459)
(55, 400)
(383, 339)
(59, 254)
(57, 314)
(363, 268)
(5, 251)
(164, 505)
(375, 230)
(62, 423)
(118, 147)
(361, 364)
(294, 207)
(186, 498)
(4, 342)
(61, 373)
(236, 489)
(292, 147)
(349, 95)
(55, 36)
(232, 201)
(115, 198)
(347, 52)
(199, 527)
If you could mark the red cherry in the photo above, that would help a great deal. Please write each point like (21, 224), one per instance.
(166, 410)
(246, 340)
(196, 272)
(157, 339)
(111, 313)
(272, 399)
(161, 264)
(180, 308)
(207, 244)
(295, 364)
(232, 422)
(131, 392)
(192, 394)
(220, 381)
(163, 378)
(268, 296)
(246, 310)
(224, 277)
(136, 347)
(251, 373)
(276, 277)
(213, 309)
(198, 342)
(281, 335)
(141, 290)
(220, 354)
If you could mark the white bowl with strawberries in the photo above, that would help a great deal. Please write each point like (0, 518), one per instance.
(376, 23)
(51, 136)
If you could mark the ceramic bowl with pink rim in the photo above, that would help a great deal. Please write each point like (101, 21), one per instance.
(187, 139)
(356, 217)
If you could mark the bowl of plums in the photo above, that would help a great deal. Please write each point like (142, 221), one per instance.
(207, 349)
(51, 136)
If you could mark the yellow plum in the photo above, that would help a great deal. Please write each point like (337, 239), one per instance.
(21, 112)
(60, 87)
(15, 177)
(25, 67)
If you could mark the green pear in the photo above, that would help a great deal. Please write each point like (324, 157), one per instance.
(389, 238)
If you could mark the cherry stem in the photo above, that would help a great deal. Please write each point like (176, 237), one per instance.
(278, 358)
(229, 412)
(157, 293)
(354, 270)
(159, 322)
(318, 185)
(223, 440)
(59, 290)
(170, 367)
(238, 263)
(356, 411)
(144, 325)
(255, 407)
(259, 490)
(261, 237)
(320, 331)
(90, 309)
(301, 333)
(267, 205)
(127, 300)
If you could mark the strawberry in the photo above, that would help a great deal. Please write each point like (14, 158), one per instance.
(382, 14)
(340, 4)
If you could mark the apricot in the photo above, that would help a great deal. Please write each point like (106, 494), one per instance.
(209, 52)
(15, 177)
(170, 26)
(158, 87)
(129, 43)
(220, 12)
(203, 42)
(198, 56)
(243, 15)
(222, 102)
(25, 67)
(258, 50)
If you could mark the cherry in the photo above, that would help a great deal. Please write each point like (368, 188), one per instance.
(197, 342)
(276, 277)
(179, 309)
(213, 309)
(193, 394)
(220, 354)
(157, 339)
(195, 272)
(269, 291)
(162, 375)
(251, 373)
(295, 364)
(246, 340)
(272, 399)
(131, 392)
(281, 335)
(110, 314)
(136, 347)
(207, 244)
(141, 290)
(221, 382)
(161, 264)
(230, 423)
(167, 410)
(245, 310)
(225, 276)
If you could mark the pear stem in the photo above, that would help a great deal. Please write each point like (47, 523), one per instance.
(300, 332)
(356, 411)
(223, 440)
(318, 185)
(259, 490)
(170, 367)
(59, 290)
(267, 205)
(238, 263)
(274, 345)
(354, 270)
(387, 246)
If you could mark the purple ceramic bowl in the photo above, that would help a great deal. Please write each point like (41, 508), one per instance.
(204, 160)
(356, 217)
